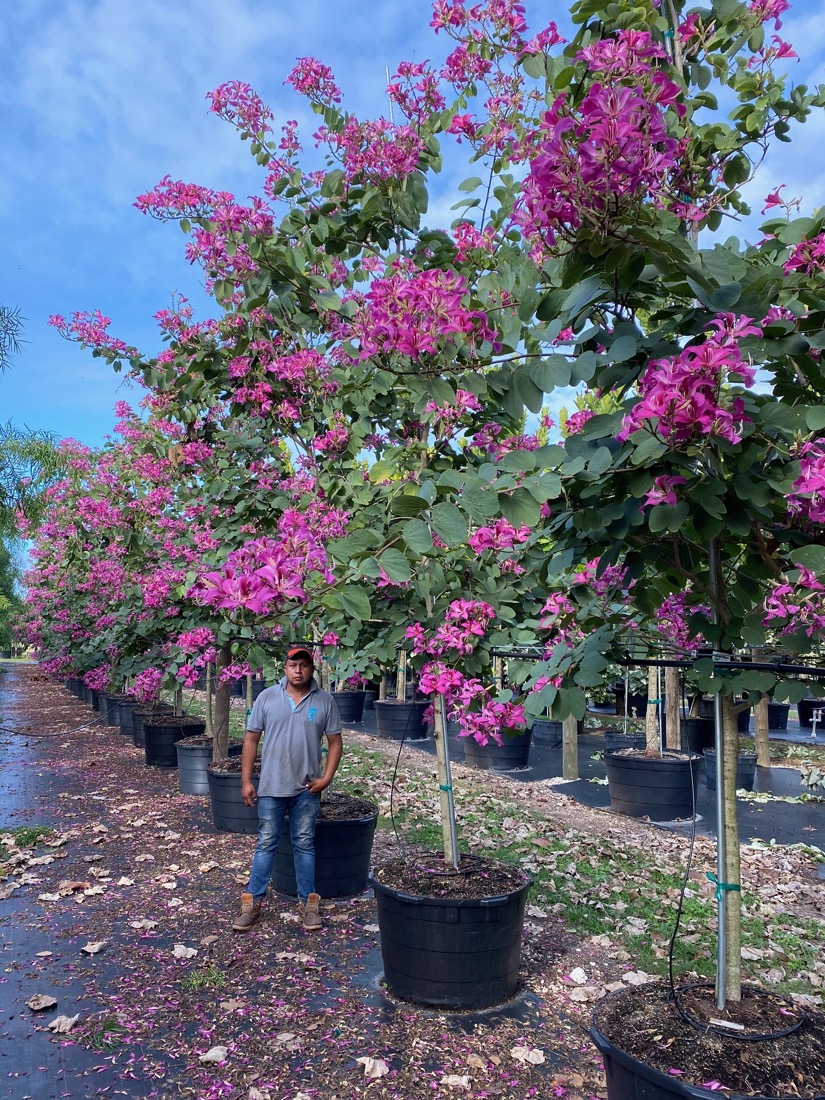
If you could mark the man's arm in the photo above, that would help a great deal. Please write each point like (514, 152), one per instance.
(249, 753)
(335, 750)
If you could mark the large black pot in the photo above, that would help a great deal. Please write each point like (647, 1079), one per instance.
(513, 754)
(342, 857)
(778, 715)
(194, 757)
(369, 700)
(161, 734)
(123, 714)
(548, 733)
(109, 704)
(745, 770)
(350, 705)
(400, 721)
(698, 734)
(141, 713)
(456, 954)
(630, 1079)
(662, 788)
(229, 812)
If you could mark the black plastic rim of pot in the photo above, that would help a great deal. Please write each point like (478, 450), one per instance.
(460, 954)
(624, 1074)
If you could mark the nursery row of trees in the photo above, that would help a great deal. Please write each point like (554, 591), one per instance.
(354, 448)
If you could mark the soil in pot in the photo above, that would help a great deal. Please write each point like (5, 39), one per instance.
(644, 1024)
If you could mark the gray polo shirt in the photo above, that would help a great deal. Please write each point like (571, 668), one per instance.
(291, 750)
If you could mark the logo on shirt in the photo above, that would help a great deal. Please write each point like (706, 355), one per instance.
(312, 712)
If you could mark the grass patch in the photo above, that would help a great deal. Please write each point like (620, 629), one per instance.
(103, 1035)
(205, 977)
(24, 836)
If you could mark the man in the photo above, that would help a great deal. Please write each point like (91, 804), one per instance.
(293, 716)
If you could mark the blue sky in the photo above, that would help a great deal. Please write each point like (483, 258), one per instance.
(103, 98)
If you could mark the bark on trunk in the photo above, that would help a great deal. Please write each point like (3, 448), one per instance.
(652, 713)
(731, 898)
(760, 724)
(220, 734)
(672, 709)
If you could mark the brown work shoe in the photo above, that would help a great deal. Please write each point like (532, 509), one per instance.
(249, 914)
(309, 913)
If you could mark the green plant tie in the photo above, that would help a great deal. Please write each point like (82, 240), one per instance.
(655, 701)
(444, 787)
(247, 712)
(668, 33)
(722, 886)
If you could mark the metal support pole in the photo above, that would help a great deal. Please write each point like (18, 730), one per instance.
(721, 854)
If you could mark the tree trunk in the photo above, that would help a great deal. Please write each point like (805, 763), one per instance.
(729, 868)
(760, 725)
(209, 711)
(672, 708)
(220, 733)
(652, 712)
(570, 748)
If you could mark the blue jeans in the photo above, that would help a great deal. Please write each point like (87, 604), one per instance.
(303, 812)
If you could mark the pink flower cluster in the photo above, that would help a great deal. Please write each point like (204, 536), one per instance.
(808, 257)
(500, 535)
(672, 620)
(314, 80)
(376, 150)
(807, 496)
(446, 418)
(147, 685)
(465, 623)
(239, 104)
(794, 608)
(681, 398)
(415, 312)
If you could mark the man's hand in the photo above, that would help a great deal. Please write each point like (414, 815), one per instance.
(249, 794)
(318, 785)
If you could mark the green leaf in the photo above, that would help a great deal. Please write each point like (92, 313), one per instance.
(815, 417)
(519, 507)
(470, 184)
(809, 557)
(449, 524)
(417, 536)
(381, 471)
(622, 349)
(355, 602)
(408, 505)
(395, 565)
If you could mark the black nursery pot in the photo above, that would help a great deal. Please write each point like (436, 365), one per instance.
(342, 857)
(745, 770)
(350, 705)
(451, 953)
(661, 788)
(400, 721)
(548, 733)
(229, 811)
(509, 756)
(161, 734)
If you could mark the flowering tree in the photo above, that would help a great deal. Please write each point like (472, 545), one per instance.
(386, 366)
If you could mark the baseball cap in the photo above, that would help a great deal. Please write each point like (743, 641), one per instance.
(299, 651)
